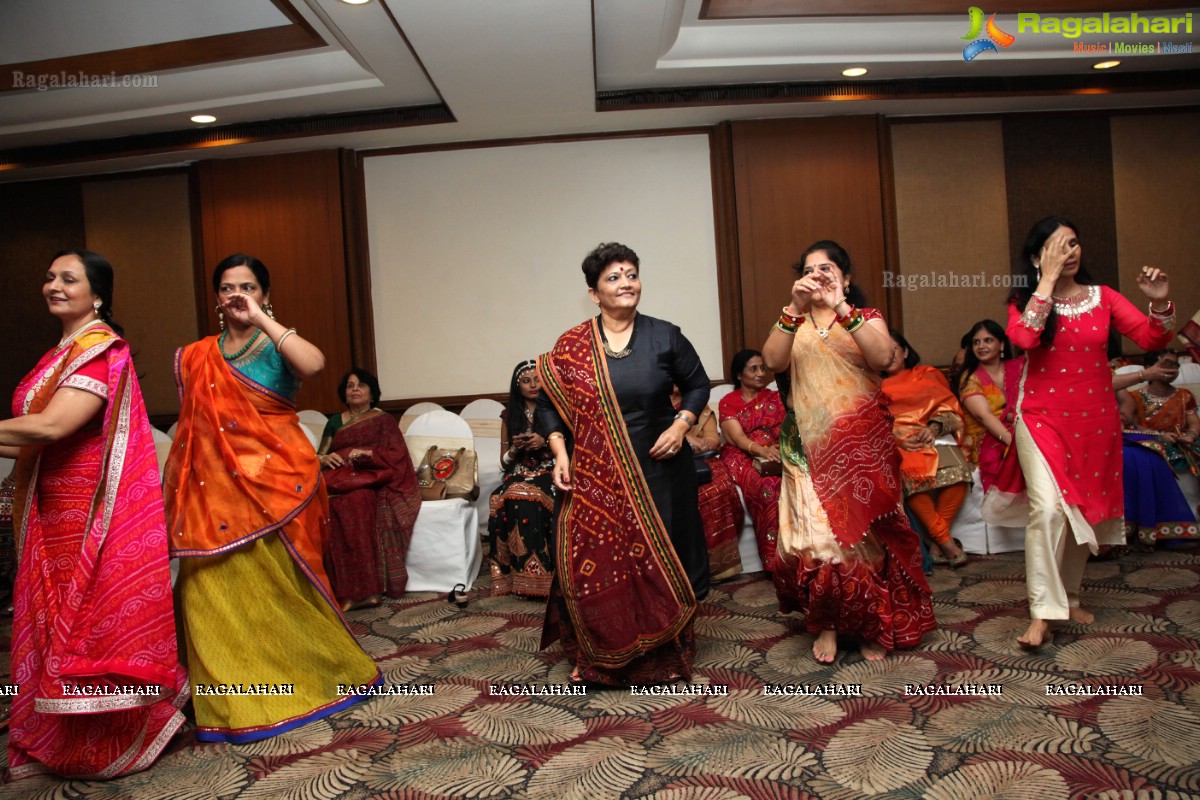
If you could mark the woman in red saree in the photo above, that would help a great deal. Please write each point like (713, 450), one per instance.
(846, 554)
(629, 546)
(720, 505)
(750, 419)
(987, 389)
(374, 497)
(93, 637)
(246, 513)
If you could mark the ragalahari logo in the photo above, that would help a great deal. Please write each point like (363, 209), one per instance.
(995, 36)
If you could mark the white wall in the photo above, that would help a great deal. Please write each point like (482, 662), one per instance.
(475, 254)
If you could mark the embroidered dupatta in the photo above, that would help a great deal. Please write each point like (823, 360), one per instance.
(624, 587)
(240, 467)
(93, 643)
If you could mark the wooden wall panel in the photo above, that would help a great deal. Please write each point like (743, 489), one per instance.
(1062, 165)
(798, 181)
(287, 211)
(1156, 169)
(143, 226)
(952, 226)
(40, 218)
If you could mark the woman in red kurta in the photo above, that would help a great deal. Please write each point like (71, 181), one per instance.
(1067, 484)
(750, 419)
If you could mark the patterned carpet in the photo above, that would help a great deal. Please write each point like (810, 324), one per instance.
(463, 742)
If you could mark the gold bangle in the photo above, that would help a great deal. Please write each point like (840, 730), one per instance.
(555, 435)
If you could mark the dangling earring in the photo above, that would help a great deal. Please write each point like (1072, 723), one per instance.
(221, 318)
(96, 307)
(270, 309)
(1037, 268)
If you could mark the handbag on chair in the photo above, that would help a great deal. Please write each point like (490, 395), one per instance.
(447, 474)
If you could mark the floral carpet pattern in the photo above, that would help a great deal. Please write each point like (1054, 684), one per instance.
(1027, 741)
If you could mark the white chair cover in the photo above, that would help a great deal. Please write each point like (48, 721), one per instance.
(415, 411)
(483, 415)
(445, 548)
(159, 436)
(313, 421)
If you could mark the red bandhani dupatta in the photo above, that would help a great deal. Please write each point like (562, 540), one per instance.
(624, 587)
(846, 430)
(93, 644)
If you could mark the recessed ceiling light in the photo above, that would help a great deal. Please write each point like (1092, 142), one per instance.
(854, 72)
(1106, 65)
(204, 119)
(356, 2)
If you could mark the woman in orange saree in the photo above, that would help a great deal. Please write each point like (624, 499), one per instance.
(93, 641)
(247, 511)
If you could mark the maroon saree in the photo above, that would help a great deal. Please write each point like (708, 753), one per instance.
(370, 528)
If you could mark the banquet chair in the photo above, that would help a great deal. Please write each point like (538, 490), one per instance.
(415, 411)
(314, 421)
(483, 415)
(445, 549)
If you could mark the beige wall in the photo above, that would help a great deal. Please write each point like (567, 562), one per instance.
(143, 226)
(952, 218)
(1156, 175)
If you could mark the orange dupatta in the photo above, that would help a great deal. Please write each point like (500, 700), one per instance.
(915, 396)
(240, 467)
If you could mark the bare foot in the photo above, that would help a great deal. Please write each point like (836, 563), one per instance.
(1082, 616)
(872, 651)
(1036, 635)
(825, 647)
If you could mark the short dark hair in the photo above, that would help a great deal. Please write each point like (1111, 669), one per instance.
(363, 377)
(99, 274)
(242, 260)
(603, 256)
(738, 363)
(913, 358)
(838, 255)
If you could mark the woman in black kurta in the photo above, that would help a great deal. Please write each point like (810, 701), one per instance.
(624, 362)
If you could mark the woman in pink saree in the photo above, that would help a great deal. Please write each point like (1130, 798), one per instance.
(93, 642)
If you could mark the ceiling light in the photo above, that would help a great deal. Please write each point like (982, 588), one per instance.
(854, 72)
(204, 119)
(1106, 65)
(356, 2)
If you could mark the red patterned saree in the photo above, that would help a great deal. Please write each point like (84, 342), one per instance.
(93, 642)
(628, 603)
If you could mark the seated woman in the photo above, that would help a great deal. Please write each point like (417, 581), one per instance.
(750, 418)
(720, 506)
(989, 370)
(521, 518)
(374, 498)
(935, 477)
(1160, 454)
